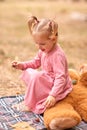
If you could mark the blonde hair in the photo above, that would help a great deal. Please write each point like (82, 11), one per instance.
(48, 25)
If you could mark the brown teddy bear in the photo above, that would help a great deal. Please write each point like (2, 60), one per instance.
(70, 111)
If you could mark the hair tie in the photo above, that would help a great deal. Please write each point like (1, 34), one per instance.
(35, 19)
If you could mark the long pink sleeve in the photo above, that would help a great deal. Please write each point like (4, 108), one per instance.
(60, 76)
(34, 64)
(61, 81)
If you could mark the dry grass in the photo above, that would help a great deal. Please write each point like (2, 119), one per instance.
(16, 42)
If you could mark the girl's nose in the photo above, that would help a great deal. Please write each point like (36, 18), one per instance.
(40, 47)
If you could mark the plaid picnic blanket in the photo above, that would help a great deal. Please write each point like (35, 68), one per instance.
(10, 116)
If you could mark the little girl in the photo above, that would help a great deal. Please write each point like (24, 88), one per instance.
(52, 83)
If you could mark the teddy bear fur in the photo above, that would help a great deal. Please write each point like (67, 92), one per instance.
(71, 110)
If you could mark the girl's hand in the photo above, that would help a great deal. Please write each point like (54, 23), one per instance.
(50, 101)
(17, 65)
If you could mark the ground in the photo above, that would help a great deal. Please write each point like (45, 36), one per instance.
(17, 43)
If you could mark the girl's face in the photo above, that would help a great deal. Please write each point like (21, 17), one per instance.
(44, 43)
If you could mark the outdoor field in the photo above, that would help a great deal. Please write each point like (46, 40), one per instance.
(17, 44)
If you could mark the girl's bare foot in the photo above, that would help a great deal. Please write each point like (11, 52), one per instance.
(21, 107)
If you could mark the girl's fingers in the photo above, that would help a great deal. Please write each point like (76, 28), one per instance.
(48, 104)
(14, 64)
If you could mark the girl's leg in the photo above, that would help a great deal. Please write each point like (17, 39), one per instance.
(38, 85)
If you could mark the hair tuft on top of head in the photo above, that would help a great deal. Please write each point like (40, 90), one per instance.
(32, 21)
(41, 25)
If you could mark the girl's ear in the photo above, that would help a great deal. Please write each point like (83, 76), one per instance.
(52, 37)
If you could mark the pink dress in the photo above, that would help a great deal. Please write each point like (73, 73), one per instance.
(53, 79)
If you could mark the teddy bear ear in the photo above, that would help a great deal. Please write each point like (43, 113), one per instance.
(74, 75)
(83, 78)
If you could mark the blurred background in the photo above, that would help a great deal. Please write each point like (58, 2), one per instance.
(17, 43)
